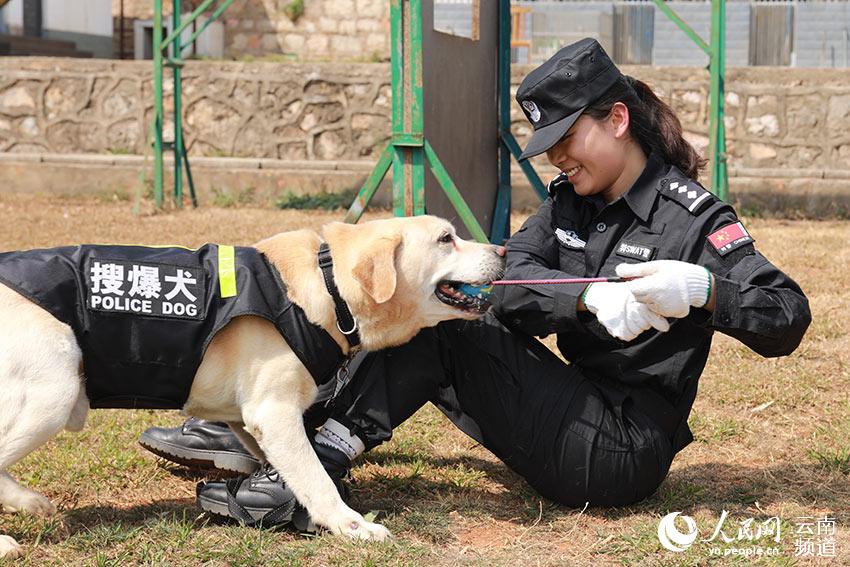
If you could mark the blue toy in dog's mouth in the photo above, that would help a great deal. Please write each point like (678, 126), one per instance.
(470, 297)
(480, 291)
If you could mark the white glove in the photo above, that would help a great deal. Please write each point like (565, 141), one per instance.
(619, 312)
(668, 287)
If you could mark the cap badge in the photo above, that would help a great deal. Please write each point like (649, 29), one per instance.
(533, 111)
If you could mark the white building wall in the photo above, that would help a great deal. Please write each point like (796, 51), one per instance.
(93, 17)
(13, 15)
(822, 34)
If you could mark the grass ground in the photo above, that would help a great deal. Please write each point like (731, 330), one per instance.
(772, 439)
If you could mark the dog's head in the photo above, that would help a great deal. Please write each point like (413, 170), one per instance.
(400, 275)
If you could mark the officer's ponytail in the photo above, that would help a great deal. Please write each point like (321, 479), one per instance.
(651, 122)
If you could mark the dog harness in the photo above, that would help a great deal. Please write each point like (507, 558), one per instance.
(144, 316)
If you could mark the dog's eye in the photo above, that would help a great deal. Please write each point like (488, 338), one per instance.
(446, 238)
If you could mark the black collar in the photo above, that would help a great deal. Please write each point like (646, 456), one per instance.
(345, 321)
(641, 196)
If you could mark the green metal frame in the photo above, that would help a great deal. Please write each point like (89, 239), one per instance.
(408, 150)
(174, 60)
(716, 67)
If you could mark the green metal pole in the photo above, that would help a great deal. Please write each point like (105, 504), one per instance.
(397, 63)
(157, 97)
(501, 227)
(716, 51)
(719, 183)
(176, 54)
(716, 68)
(416, 123)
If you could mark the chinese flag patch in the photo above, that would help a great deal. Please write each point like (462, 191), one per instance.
(730, 237)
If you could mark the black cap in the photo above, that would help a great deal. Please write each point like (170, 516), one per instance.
(555, 94)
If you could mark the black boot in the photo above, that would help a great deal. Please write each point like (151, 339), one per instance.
(202, 444)
(263, 499)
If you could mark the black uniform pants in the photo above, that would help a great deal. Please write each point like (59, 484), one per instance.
(575, 440)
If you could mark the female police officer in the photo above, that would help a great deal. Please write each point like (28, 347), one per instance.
(604, 428)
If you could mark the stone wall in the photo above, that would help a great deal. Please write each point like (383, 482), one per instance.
(775, 118)
(266, 110)
(353, 30)
(788, 130)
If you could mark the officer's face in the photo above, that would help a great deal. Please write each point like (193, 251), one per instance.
(592, 155)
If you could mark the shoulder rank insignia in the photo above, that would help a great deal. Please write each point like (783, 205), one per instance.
(689, 194)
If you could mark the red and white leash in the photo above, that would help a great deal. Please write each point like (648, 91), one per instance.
(561, 281)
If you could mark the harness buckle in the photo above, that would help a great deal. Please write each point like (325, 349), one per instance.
(342, 378)
(350, 331)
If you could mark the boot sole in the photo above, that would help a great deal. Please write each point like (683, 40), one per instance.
(200, 458)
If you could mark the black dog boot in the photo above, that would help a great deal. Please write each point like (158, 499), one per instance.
(200, 444)
(263, 499)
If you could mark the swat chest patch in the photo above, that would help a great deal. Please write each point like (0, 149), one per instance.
(729, 238)
(145, 288)
(636, 251)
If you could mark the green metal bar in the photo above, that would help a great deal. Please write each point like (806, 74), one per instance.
(178, 123)
(717, 136)
(662, 5)
(417, 164)
(398, 127)
(417, 129)
(501, 226)
(716, 66)
(157, 97)
(176, 32)
(399, 181)
(355, 211)
(408, 139)
(454, 195)
(415, 60)
(397, 67)
(719, 180)
(509, 140)
(192, 194)
(211, 19)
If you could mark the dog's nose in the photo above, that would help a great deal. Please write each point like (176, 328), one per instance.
(500, 251)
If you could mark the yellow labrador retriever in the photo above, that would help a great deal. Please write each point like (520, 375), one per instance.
(397, 276)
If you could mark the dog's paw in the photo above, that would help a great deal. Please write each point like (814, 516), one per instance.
(9, 548)
(356, 526)
(30, 502)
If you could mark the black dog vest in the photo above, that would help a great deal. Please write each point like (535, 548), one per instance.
(144, 316)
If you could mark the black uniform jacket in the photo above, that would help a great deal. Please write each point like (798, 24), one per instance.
(143, 316)
(664, 215)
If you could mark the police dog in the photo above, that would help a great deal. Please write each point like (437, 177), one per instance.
(396, 275)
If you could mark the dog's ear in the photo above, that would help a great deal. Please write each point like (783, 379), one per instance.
(375, 270)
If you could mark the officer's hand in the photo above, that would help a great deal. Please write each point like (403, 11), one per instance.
(668, 287)
(619, 312)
